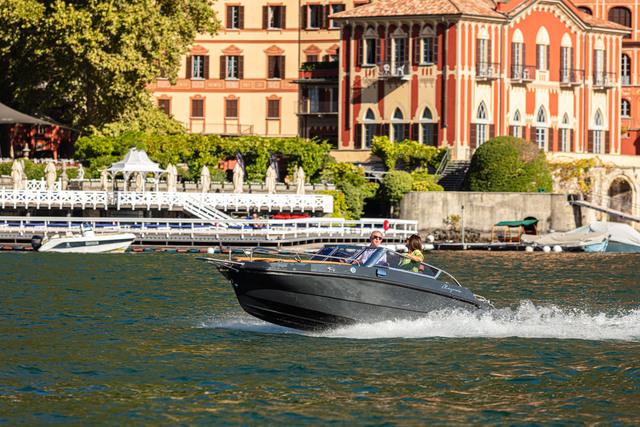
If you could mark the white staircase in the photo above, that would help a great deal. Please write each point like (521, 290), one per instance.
(202, 211)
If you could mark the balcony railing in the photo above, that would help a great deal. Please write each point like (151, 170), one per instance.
(487, 70)
(308, 106)
(571, 77)
(603, 79)
(523, 73)
(390, 70)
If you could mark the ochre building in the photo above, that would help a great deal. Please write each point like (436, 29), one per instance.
(459, 72)
(244, 80)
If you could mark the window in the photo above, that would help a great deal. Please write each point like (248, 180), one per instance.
(235, 17)
(370, 46)
(314, 16)
(398, 128)
(542, 63)
(273, 109)
(566, 64)
(335, 8)
(198, 66)
(565, 135)
(541, 129)
(625, 69)
(517, 55)
(232, 69)
(516, 128)
(620, 15)
(231, 109)
(598, 133)
(197, 108)
(482, 53)
(625, 108)
(276, 67)
(482, 126)
(369, 128)
(312, 58)
(165, 106)
(429, 47)
(400, 53)
(428, 128)
(585, 9)
(598, 67)
(273, 17)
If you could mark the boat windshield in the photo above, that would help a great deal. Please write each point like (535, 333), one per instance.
(339, 253)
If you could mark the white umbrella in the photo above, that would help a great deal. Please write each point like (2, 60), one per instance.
(299, 178)
(23, 176)
(140, 179)
(270, 180)
(205, 179)
(172, 177)
(104, 180)
(64, 178)
(238, 178)
(80, 172)
(50, 176)
(16, 174)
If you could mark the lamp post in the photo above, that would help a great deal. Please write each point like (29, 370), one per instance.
(462, 225)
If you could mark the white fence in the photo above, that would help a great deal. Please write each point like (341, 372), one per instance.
(199, 230)
(165, 200)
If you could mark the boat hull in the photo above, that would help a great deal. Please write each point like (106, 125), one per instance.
(310, 299)
(88, 245)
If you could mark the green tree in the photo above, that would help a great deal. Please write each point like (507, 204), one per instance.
(412, 154)
(424, 181)
(88, 63)
(394, 186)
(506, 163)
(350, 180)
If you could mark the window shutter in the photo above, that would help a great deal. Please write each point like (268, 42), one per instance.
(189, 66)
(283, 72)
(271, 66)
(283, 17)
(513, 59)
(387, 50)
(360, 49)
(326, 11)
(532, 134)
(489, 61)
(206, 67)
(265, 17)
(548, 49)
(607, 143)
(538, 56)
(551, 145)
(223, 66)
(303, 17)
(572, 145)
(492, 131)
(524, 54)
(415, 132)
(241, 17)
(357, 137)
(434, 131)
(415, 39)
(228, 22)
(512, 130)
(435, 45)
(378, 47)
(590, 142)
(472, 136)
(241, 67)
(570, 65)
(478, 59)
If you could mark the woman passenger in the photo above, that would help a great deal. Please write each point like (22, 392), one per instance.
(411, 261)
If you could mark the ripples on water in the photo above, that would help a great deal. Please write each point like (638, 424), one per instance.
(150, 339)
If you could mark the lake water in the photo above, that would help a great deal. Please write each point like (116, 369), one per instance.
(160, 339)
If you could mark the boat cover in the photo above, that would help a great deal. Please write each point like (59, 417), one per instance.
(568, 239)
(618, 232)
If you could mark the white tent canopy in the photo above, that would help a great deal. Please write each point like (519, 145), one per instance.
(136, 161)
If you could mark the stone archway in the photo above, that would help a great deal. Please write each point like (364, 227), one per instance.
(620, 197)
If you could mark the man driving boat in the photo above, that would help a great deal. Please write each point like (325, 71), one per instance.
(375, 240)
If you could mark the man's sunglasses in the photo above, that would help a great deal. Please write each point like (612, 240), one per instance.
(376, 238)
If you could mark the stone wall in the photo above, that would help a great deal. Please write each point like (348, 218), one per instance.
(483, 210)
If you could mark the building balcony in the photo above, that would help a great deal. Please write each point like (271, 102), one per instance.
(394, 70)
(312, 107)
(522, 73)
(319, 70)
(604, 80)
(571, 77)
(487, 70)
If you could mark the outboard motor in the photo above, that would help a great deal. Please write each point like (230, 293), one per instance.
(36, 242)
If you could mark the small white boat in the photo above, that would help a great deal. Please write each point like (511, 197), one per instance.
(569, 241)
(87, 242)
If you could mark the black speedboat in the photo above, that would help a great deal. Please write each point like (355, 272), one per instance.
(327, 289)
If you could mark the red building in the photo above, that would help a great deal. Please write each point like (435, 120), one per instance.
(458, 72)
(620, 11)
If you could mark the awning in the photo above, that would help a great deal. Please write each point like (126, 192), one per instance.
(521, 223)
(10, 116)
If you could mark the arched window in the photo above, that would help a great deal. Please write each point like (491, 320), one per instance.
(370, 47)
(620, 15)
(516, 126)
(398, 127)
(585, 9)
(565, 134)
(541, 129)
(517, 55)
(625, 108)
(369, 126)
(542, 49)
(428, 128)
(482, 125)
(599, 75)
(483, 54)
(400, 52)
(625, 69)
(598, 133)
(567, 75)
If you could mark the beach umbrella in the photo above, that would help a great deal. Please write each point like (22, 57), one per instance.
(299, 179)
(104, 180)
(205, 179)
(64, 178)
(23, 175)
(80, 171)
(172, 178)
(140, 182)
(16, 174)
(50, 176)
(270, 180)
(238, 178)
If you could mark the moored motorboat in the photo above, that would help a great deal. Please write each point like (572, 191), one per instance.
(328, 290)
(87, 242)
